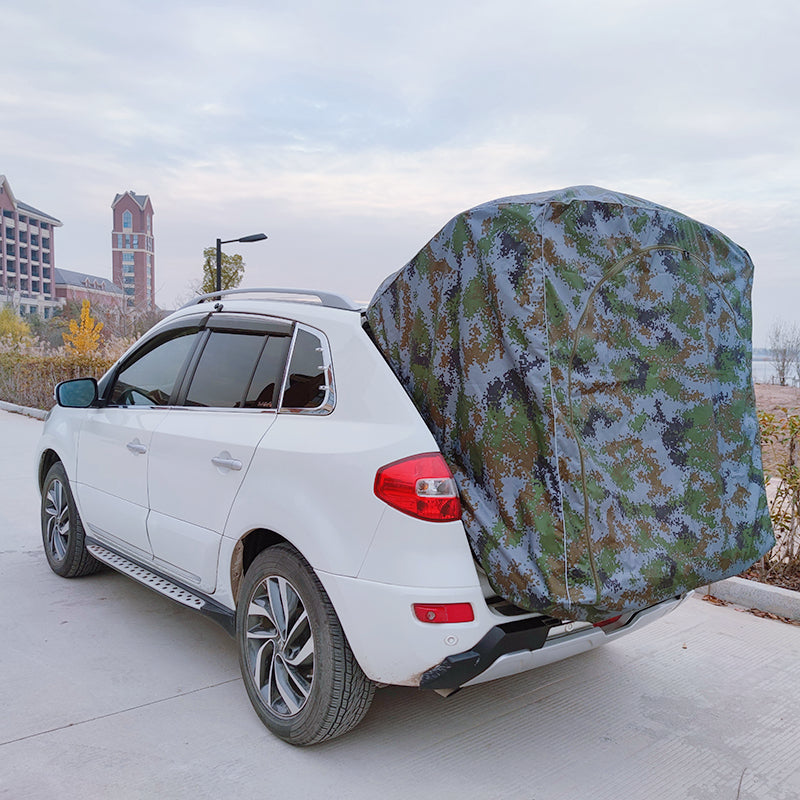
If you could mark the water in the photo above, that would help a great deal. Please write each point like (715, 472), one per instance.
(764, 372)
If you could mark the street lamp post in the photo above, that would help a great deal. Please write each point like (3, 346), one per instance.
(254, 237)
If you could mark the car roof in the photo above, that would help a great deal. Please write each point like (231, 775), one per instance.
(303, 305)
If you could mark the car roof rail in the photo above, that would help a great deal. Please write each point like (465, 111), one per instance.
(327, 299)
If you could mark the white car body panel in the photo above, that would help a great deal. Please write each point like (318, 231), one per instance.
(60, 434)
(311, 481)
(190, 496)
(411, 552)
(196, 549)
(111, 480)
(391, 644)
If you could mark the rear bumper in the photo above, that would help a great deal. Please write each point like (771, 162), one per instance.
(564, 646)
(525, 635)
(394, 647)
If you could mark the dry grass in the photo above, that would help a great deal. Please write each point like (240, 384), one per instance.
(777, 400)
(779, 417)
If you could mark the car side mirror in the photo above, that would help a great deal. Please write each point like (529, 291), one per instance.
(78, 393)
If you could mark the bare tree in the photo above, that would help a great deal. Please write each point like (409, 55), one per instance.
(190, 292)
(784, 346)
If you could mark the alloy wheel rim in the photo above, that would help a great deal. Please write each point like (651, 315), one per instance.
(56, 509)
(280, 646)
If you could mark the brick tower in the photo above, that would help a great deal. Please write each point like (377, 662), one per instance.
(133, 249)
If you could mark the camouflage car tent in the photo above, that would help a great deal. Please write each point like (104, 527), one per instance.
(583, 359)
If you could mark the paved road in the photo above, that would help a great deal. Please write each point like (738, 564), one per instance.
(110, 691)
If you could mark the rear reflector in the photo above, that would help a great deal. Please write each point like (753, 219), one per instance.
(443, 612)
(609, 621)
(420, 486)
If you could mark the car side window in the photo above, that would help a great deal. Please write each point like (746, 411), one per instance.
(309, 383)
(225, 369)
(263, 391)
(148, 377)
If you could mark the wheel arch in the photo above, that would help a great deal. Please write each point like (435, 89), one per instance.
(46, 460)
(245, 552)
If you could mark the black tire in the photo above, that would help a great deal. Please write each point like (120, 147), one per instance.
(62, 530)
(299, 671)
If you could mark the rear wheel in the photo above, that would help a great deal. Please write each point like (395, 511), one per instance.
(62, 531)
(299, 671)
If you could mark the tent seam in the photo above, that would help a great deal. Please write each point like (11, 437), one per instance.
(553, 411)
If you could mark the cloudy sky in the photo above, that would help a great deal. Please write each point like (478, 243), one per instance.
(350, 132)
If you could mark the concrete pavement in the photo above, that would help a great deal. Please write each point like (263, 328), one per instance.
(108, 690)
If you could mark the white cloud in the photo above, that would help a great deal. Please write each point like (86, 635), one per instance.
(351, 131)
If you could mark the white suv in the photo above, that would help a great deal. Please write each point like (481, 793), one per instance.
(255, 458)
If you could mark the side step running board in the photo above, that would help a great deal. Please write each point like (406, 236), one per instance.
(163, 585)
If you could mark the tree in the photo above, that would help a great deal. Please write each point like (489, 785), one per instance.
(141, 319)
(12, 327)
(48, 332)
(232, 270)
(189, 293)
(784, 347)
(84, 335)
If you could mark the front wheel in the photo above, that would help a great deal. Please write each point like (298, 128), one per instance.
(62, 531)
(299, 671)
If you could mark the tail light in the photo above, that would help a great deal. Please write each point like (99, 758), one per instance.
(420, 486)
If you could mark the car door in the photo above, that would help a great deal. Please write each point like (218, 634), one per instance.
(111, 475)
(200, 453)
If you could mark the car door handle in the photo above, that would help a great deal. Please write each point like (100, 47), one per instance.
(136, 447)
(226, 463)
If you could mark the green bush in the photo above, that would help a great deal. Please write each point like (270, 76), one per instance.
(780, 436)
(13, 328)
(28, 377)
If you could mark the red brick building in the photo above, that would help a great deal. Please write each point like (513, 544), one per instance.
(80, 286)
(133, 249)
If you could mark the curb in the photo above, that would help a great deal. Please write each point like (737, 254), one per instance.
(37, 413)
(761, 596)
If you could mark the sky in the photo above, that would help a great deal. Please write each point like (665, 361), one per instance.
(351, 132)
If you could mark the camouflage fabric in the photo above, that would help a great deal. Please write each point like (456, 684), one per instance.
(583, 359)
